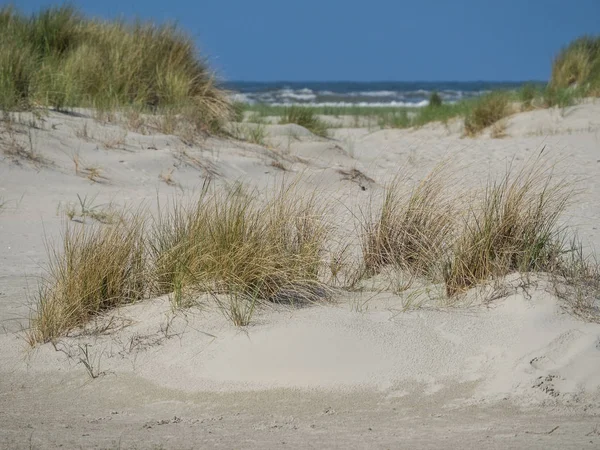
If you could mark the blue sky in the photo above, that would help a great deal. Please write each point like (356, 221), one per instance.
(326, 40)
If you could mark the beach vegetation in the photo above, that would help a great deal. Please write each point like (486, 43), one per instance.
(249, 132)
(561, 97)
(486, 111)
(578, 65)
(96, 268)
(395, 119)
(227, 244)
(229, 241)
(512, 227)
(413, 228)
(61, 59)
(306, 117)
(246, 248)
(527, 94)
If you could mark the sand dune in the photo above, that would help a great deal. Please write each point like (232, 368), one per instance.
(361, 371)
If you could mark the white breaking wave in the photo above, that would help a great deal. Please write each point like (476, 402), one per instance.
(373, 94)
(301, 94)
(238, 97)
(362, 104)
(288, 96)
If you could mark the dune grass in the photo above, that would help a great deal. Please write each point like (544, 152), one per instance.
(305, 117)
(486, 111)
(97, 268)
(244, 248)
(228, 242)
(412, 229)
(578, 65)
(395, 119)
(527, 94)
(249, 132)
(58, 58)
(576, 281)
(514, 227)
(561, 97)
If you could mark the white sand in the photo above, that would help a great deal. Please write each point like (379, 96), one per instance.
(359, 372)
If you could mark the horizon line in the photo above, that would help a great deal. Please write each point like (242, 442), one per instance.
(387, 81)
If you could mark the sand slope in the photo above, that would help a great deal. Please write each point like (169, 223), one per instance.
(360, 372)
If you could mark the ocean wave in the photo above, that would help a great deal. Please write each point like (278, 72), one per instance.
(374, 94)
(238, 97)
(355, 104)
(355, 94)
(295, 96)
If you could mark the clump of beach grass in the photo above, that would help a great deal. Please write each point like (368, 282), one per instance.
(97, 267)
(488, 109)
(527, 94)
(561, 97)
(514, 227)
(58, 58)
(395, 119)
(250, 132)
(578, 65)
(231, 239)
(305, 117)
(413, 228)
(576, 281)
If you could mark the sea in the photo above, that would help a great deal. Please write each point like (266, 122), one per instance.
(344, 93)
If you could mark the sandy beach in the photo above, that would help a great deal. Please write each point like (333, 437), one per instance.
(368, 368)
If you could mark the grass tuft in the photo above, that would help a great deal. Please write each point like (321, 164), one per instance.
(488, 109)
(230, 239)
(253, 133)
(527, 95)
(577, 282)
(412, 230)
(513, 228)
(305, 117)
(97, 268)
(561, 97)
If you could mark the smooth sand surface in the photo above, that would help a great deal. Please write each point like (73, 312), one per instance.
(365, 370)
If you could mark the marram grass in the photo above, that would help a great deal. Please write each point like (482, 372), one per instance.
(59, 58)
(245, 247)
